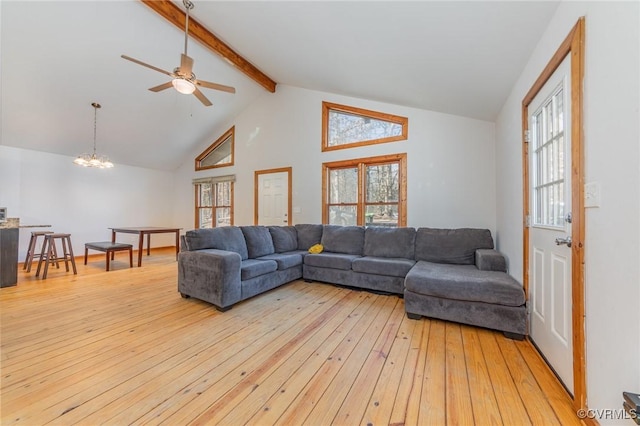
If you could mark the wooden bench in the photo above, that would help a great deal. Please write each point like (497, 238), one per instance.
(109, 248)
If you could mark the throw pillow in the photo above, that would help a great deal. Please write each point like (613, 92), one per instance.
(316, 248)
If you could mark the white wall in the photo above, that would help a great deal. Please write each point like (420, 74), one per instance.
(48, 189)
(612, 155)
(451, 169)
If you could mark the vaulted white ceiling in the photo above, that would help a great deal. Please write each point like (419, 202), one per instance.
(58, 57)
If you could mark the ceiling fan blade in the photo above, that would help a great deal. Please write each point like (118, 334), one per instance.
(186, 65)
(128, 58)
(215, 86)
(202, 97)
(161, 87)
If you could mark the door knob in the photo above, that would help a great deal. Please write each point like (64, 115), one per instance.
(560, 241)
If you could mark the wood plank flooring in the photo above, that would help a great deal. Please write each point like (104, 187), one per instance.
(122, 347)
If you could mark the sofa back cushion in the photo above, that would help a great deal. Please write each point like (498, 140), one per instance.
(259, 242)
(228, 238)
(285, 238)
(454, 246)
(343, 239)
(308, 235)
(389, 242)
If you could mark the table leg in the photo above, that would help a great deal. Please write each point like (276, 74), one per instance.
(140, 247)
(148, 244)
(113, 240)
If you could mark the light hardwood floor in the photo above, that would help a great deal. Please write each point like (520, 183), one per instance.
(122, 347)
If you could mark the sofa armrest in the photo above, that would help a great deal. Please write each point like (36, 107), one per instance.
(211, 275)
(490, 260)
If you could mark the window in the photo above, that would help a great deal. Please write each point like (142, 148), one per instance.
(219, 154)
(549, 162)
(366, 191)
(348, 127)
(214, 201)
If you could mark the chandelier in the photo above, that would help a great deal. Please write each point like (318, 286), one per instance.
(94, 160)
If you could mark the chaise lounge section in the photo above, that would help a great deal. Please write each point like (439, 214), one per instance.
(460, 277)
(450, 274)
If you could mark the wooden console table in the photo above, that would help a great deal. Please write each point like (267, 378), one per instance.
(146, 230)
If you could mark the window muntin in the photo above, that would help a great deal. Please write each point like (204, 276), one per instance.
(218, 154)
(367, 191)
(548, 140)
(347, 127)
(214, 204)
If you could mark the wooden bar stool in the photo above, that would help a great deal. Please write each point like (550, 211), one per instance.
(49, 254)
(31, 251)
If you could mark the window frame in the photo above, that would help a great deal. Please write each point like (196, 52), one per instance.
(376, 115)
(361, 204)
(197, 184)
(222, 139)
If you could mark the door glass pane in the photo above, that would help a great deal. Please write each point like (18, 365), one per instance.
(548, 162)
(382, 184)
(343, 186)
(204, 218)
(223, 194)
(343, 215)
(381, 215)
(223, 216)
(206, 198)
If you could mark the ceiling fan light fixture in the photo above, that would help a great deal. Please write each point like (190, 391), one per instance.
(183, 86)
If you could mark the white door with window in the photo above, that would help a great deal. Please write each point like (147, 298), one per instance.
(550, 279)
(273, 198)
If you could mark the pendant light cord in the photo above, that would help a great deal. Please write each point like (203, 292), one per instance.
(95, 106)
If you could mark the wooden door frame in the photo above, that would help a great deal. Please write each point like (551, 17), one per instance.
(572, 45)
(257, 173)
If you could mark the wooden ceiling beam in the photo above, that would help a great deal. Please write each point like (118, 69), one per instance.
(174, 14)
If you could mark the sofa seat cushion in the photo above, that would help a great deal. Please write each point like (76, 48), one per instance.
(392, 267)
(259, 242)
(464, 282)
(284, 260)
(389, 242)
(330, 260)
(343, 239)
(455, 246)
(252, 268)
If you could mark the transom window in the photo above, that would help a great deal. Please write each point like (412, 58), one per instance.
(219, 153)
(347, 127)
(214, 201)
(367, 191)
(548, 136)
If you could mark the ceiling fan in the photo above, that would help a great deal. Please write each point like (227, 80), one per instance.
(184, 80)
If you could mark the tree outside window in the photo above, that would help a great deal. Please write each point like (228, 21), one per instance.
(367, 191)
(214, 203)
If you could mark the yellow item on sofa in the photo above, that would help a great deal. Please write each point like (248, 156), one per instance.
(316, 248)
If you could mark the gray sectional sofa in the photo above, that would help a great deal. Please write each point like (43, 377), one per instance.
(450, 274)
